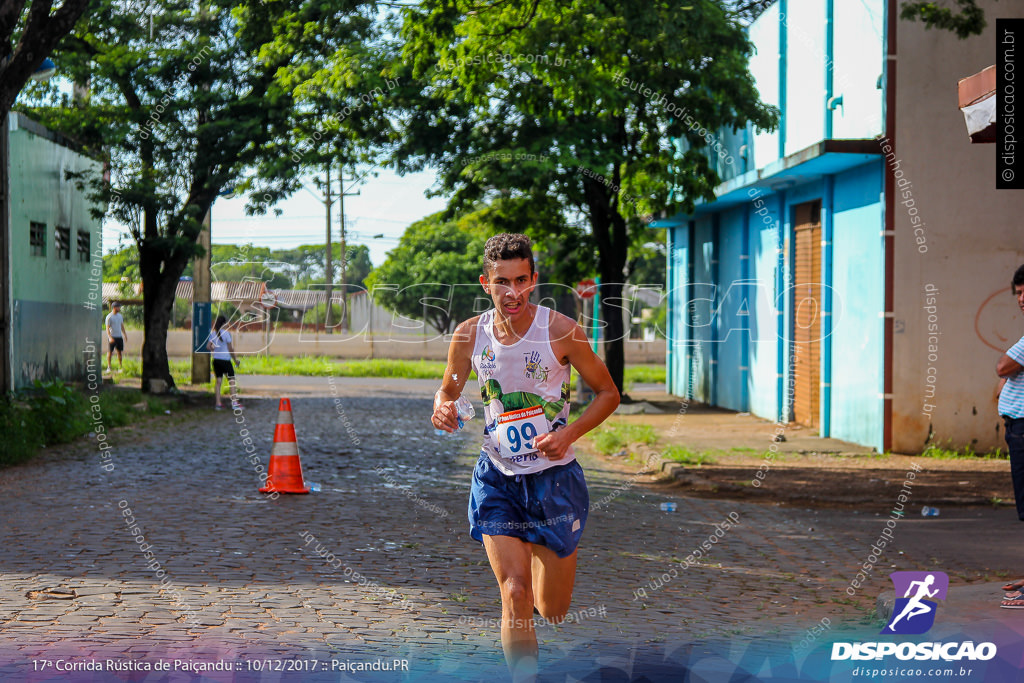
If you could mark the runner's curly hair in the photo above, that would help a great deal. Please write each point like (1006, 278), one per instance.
(506, 246)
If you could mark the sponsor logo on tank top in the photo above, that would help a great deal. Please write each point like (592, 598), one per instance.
(534, 370)
(487, 364)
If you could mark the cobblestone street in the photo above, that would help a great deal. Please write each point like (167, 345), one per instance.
(379, 563)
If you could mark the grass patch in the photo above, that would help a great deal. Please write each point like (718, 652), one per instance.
(52, 413)
(645, 374)
(684, 455)
(937, 451)
(613, 438)
(318, 366)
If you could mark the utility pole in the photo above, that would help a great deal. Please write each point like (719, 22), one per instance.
(202, 313)
(344, 253)
(328, 271)
(202, 308)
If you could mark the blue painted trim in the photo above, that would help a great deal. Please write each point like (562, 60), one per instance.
(670, 313)
(827, 225)
(748, 295)
(782, 265)
(783, 65)
(691, 266)
(716, 254)
(829, 65)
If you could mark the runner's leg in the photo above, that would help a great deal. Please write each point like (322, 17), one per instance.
(510, 560)
(553, 581)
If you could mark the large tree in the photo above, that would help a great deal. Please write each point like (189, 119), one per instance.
(968, 20)
(29, 31)
(179, 107)
(432, 275)
(579, 103)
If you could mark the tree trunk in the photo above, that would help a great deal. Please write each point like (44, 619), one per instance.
(157, 303)
(611, 238)
(614, 330)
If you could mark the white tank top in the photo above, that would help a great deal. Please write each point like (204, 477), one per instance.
(518, 377)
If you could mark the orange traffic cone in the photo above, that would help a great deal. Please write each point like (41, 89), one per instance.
(285, 472)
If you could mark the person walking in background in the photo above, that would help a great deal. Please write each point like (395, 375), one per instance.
(220, 344)
(1011, 409)
(115, 335)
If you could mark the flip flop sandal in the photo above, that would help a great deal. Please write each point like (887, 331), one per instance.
(1014, 595)
(1014, 585)
(1012, 604)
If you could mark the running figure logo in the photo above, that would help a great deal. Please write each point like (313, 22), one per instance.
(914, 613)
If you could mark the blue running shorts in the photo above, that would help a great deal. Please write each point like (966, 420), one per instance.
(547, 508)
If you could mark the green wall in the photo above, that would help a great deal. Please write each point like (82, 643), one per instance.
(55, 299)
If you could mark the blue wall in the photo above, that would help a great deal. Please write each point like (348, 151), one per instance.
(727, 341)
(858, 279)
(733, 327)
(767, 272)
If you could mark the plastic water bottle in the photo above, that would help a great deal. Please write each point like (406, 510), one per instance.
(314, 487)
(465, 411)
(929, 512)
(668, 507)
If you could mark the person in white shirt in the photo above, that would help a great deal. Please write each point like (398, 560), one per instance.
(116, 334)
(223, 353)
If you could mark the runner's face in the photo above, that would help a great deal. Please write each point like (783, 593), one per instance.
(1018, 293)
(509, 283)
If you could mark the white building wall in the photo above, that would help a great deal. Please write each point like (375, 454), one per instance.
(971, 244)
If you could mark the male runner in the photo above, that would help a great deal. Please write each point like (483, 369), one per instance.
(528, 502)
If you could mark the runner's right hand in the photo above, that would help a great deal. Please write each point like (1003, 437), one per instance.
(445, 415)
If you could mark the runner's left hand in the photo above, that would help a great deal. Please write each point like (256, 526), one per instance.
(553, 445)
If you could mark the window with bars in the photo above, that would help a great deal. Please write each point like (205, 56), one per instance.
(84, 242)
(37, 238)
(62, 243)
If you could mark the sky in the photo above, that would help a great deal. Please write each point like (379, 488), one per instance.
(386, 205)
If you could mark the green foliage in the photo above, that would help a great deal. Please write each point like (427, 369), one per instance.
(122, 263)
(433, 273)
(316, 366)
(969, 21)
(568, 106)
(23, 434)
(180, 106)
(647, 260)
(318, 314)
(59, 410)
(54, 413)
(685, 456)
(950, 453)
(615, 437)
(645, 374)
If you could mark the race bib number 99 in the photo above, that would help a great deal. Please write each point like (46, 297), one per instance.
(517, 429)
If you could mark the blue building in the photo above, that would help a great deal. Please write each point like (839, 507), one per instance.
(799, 293)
